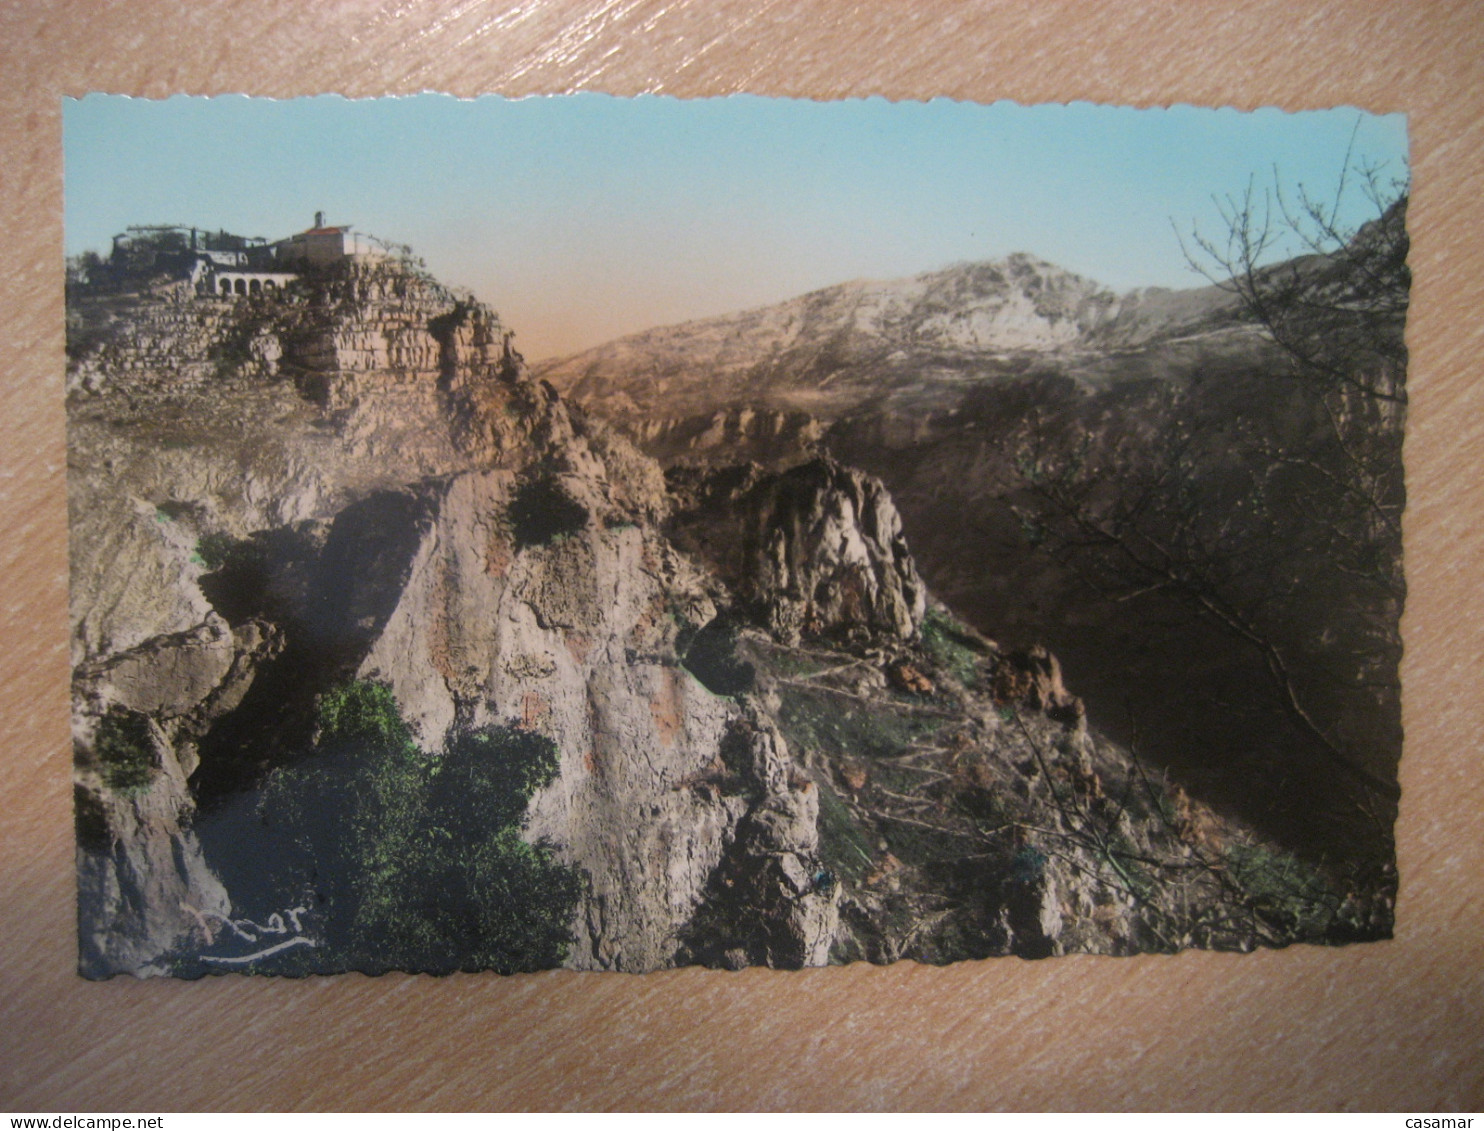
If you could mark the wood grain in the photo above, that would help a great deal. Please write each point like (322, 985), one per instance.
(1392, 1025)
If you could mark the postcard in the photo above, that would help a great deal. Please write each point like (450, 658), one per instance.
(626, 533)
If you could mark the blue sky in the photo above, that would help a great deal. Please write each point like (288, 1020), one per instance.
(583, 217)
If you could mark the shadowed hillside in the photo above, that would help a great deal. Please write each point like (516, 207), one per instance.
(1192, 497)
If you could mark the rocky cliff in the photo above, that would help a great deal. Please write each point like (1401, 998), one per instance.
(767, 744)
(1190, 496)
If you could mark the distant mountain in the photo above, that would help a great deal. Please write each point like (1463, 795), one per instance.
(909, 345)
(964, 389)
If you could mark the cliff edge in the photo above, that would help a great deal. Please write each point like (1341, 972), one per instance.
(380, 649)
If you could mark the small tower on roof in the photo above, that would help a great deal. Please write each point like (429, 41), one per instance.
(320, 245)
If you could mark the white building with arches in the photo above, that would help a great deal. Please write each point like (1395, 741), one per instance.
(222, 265)
(244, 284)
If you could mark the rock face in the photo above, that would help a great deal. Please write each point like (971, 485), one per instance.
(771, 747)
(140, 870)
(396, 501)
(727, 436)
(571, 633)
(817, 550)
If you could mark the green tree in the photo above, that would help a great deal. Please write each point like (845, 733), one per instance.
(417, 860)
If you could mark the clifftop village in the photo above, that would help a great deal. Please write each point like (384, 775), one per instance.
(202, 290)
(221, 263)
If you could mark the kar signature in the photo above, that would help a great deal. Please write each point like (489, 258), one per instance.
(279, 924)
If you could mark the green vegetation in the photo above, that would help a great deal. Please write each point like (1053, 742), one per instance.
(842, 842)
(794, 663)
(214, 550)
(836, 726)
(711, 656)
(416, 860)
(232, 351)
(365, 714)
(920, 846)
(950, 646)
(236, 574)
(1291, 896)
(542, 512)
(125, 754)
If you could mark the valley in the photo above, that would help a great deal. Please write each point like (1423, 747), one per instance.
(960, 388)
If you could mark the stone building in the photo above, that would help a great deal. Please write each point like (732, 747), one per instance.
(224, 265)
(318, 246)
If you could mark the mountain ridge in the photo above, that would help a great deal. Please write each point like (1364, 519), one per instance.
(384, 656)
(956, 386)
(874, 337)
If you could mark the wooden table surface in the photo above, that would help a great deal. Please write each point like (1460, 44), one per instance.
(1396, 1025)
